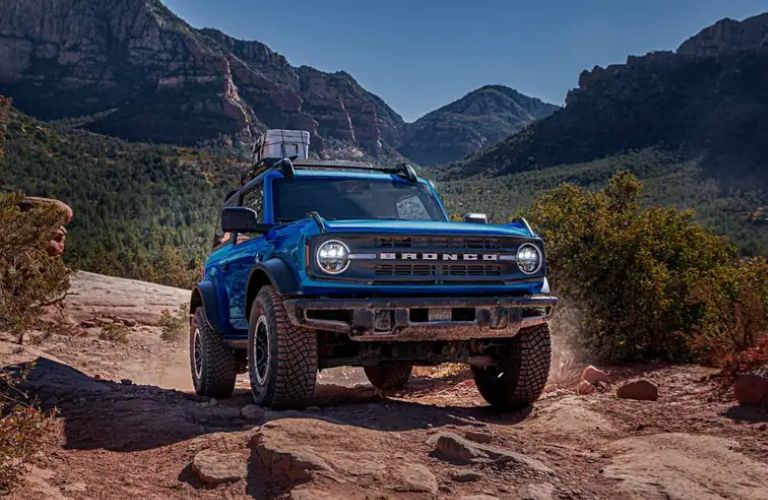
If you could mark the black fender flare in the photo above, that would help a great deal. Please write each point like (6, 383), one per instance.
(275, 272)
(204, 295)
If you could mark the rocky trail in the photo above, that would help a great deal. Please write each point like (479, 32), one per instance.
(129, 426)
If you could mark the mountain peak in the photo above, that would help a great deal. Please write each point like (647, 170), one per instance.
(728, 35)
(481, 118)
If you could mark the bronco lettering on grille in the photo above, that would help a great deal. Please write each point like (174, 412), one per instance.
(485, 257)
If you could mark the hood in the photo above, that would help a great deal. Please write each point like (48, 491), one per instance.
(408, 227)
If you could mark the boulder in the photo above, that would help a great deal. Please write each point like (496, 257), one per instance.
(457, 449)
(751, 389)
(287, 461)
(537, 491)
(640, 389)
(479, 436)
(594, 375)
(466, 476)
(215, 468)
(415, 478)
(584, 388)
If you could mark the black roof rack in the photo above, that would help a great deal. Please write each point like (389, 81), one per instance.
(289, 166)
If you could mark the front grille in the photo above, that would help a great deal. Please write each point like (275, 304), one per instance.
(432, 242)
(420, 259)
(437, 270)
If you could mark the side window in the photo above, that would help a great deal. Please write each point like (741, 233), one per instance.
(254, 199)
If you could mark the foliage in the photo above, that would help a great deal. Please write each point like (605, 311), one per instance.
(141, 211)
(174, 324)
(22, 430)
(650, 282)
(669, 178)
(29, 277)
(115, 332)
(734, 301)
(751, 360)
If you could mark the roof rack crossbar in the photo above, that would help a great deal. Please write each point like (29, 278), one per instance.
(403, 170)
(288, 167)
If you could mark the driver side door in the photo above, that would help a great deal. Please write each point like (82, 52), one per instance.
(247, 250)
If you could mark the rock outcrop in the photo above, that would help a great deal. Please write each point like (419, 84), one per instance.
(132, 69)
(727, 35)
(712, 106)
(478, 120)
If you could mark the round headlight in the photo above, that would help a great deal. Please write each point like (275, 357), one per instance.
(528, 258)
(333, 257)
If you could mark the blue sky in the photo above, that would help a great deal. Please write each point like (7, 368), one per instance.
(421, 54)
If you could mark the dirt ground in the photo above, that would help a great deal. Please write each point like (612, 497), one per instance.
(129, 426)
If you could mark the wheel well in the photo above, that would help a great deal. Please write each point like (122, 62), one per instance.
(195, 302)
(259, 278)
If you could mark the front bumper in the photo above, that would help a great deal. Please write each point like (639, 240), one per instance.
(419, 319)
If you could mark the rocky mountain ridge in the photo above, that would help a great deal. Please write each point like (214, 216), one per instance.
(478, 120)
(134, 70)
(713, 106)
(144, 74)
(728, 35)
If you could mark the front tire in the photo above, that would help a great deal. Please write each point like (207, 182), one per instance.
(388, 377)
(213, 363)
(519, 377)
(282, 358)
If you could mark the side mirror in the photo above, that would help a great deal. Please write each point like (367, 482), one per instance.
(476, 218)
(241, 220)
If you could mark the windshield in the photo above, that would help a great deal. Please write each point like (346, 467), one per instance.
(354, 199)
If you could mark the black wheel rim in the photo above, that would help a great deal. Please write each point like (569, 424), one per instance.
(197, 354)
(261, 350)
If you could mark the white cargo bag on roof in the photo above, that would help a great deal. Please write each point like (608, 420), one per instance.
(277, 143)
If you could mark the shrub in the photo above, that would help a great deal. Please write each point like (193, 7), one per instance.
(29, 277)
(174, 325)
(649, 282)
(22, 431)
(115, 332)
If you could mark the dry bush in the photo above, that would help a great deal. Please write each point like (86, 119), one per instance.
(174, 325)
(650, 283)
(23, 429)
(115, 332)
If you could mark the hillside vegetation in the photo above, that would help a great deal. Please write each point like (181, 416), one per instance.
(670, 177)
(141, 211)
(648, 282)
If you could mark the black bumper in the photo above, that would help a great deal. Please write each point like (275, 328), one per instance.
(418, 319)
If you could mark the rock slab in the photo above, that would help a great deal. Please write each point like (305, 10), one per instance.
(215, 468)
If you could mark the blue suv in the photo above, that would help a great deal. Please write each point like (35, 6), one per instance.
(322, 264)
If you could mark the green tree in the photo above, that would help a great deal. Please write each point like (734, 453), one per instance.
(650, 282)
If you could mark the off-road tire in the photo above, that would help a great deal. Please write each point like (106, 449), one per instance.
(388, 377)
(288, 381)
(521, 371)
(215, 375)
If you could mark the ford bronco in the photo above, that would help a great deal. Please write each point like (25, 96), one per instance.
(322, 264)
